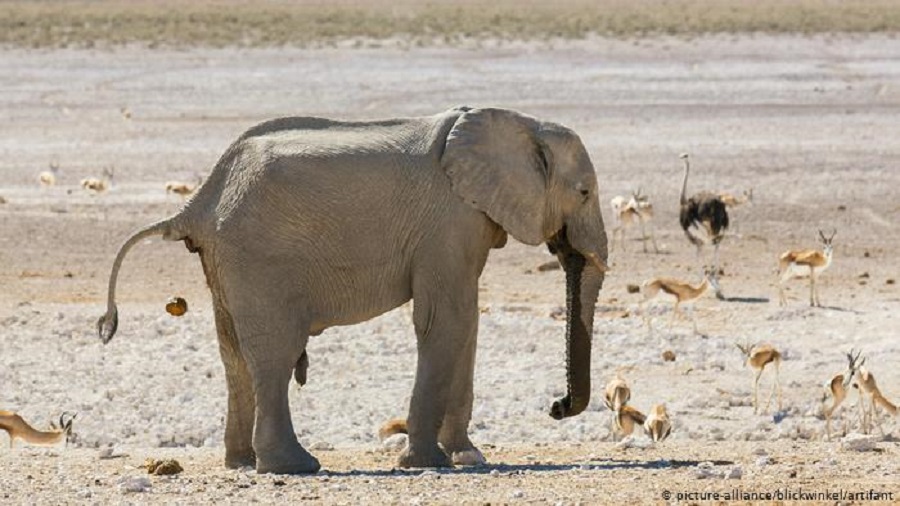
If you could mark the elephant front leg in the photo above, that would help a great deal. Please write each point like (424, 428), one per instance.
(443, 328)
(454, 433)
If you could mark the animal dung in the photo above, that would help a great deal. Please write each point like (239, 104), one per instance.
(162, 467)
(552, 265)
(668, 356)
(176, 306)
(633, 288)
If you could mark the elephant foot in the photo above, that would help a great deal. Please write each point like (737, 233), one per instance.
(470, 457)
(237, 461)
(293, 461)
(461, 450)
(431, 456)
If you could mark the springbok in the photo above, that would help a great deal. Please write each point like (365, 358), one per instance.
(681, 290)
(625, 211)
(837, 387)
(865, 381)
(616, 395)
(758, 357)
(657, 425)
(626, 419)
(802, 263)
(18, 428)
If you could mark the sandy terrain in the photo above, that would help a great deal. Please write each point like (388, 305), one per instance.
(809, 123)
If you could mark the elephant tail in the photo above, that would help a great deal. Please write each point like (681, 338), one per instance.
(391, 427)
(108, 323)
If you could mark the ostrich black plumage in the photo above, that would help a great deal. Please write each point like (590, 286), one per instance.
(704, 209)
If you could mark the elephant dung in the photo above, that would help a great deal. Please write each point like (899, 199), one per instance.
(176, 306)
(162, 467)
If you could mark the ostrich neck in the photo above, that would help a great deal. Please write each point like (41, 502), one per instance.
(684, 182)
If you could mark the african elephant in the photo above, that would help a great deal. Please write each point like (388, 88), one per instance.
(307, 223)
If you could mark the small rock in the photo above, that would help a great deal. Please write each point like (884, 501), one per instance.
(632, 288)
(890, 281)
(704, 471)
(84, 494)
(763, 461)
(735, 474)
(495, 472)
(321, 446)
(395, 442)
(668, 356)
(859, 442)
(516, 494)
(134, 485)
(428, 474)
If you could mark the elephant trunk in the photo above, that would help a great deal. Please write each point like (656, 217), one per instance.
(582, 287)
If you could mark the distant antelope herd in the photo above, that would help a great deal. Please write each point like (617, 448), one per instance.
(708, 212)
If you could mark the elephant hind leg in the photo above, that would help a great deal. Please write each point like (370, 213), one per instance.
(241, 401)
(273, 337)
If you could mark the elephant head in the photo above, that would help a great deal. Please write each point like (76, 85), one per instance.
(536, 181)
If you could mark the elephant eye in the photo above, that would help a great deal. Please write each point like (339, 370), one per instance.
(585, 194)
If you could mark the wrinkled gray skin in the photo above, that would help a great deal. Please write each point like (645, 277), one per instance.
(308, 223)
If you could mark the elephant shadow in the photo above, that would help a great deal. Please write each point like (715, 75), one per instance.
(604, 465)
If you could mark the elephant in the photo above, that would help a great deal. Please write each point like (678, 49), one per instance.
(307, 223)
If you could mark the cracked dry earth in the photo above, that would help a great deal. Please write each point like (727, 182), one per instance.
(808, 123)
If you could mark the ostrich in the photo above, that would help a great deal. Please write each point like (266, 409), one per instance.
(706, 209)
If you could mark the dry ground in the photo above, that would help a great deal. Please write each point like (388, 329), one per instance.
(809, 123)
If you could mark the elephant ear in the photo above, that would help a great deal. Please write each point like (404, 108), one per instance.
(497, 163)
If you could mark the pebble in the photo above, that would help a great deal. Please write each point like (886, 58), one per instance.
(395, 442)
(859, 442)
(736, 473)
(134, 484)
